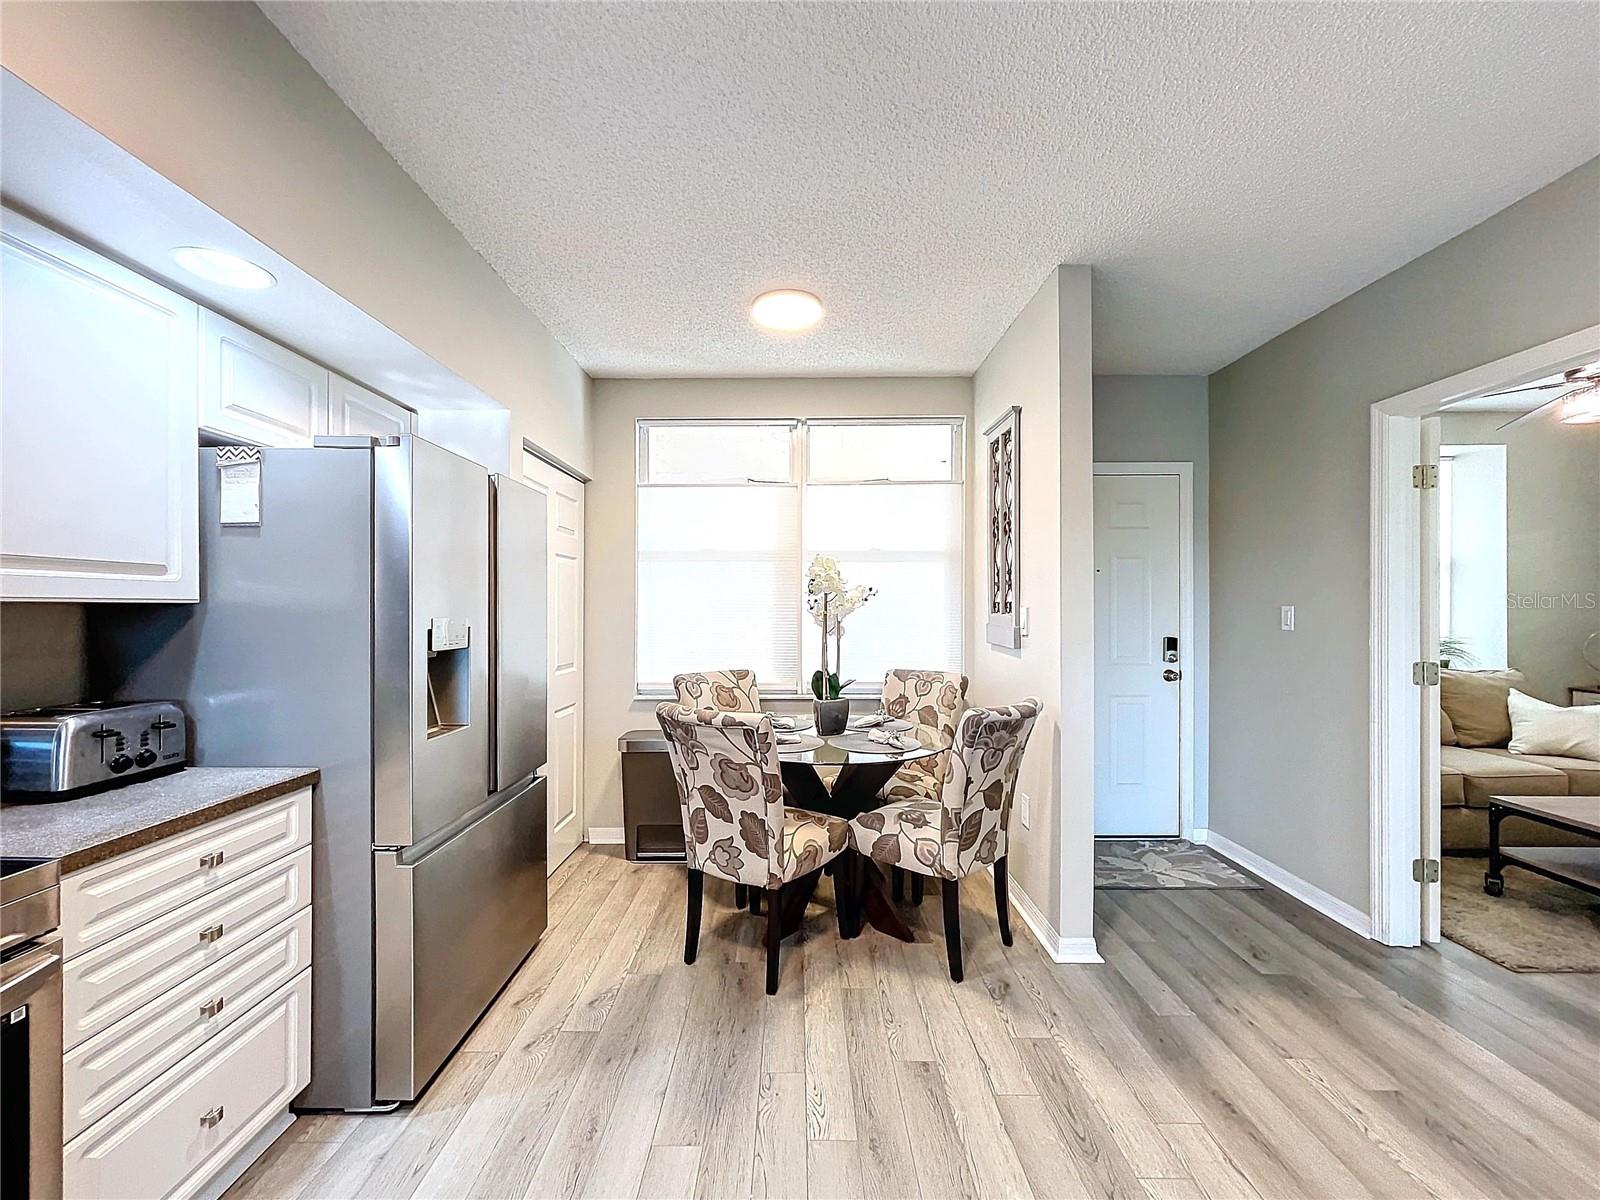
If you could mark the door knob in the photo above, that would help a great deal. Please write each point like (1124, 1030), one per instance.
(1171, 676)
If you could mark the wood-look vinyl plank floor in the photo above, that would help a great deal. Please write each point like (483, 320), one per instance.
(1235, 1046)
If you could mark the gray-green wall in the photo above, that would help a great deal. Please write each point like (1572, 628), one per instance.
(1552, 543)
(1289, 513)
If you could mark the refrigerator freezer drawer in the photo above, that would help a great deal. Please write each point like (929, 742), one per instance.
(452, 926)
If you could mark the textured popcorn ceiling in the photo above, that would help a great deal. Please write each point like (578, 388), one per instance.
(638, 172)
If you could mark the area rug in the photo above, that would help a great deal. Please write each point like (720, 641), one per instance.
(1148, 864)
(1538, 925)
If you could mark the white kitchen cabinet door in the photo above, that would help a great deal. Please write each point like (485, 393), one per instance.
(172, 1137)
(255, 390)
(98, 454)
(356, 411)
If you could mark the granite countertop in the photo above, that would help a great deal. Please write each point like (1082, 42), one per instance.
(92, 828)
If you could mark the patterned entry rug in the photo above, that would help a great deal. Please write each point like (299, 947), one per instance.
(1538, 925)
(1145, 864)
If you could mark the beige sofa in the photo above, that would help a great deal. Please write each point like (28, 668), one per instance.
(1474, 765)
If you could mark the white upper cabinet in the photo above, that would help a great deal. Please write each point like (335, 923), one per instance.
(255, 390)
(98, 455)
(356, 411)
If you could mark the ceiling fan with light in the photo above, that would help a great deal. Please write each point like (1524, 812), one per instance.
(1577, 391)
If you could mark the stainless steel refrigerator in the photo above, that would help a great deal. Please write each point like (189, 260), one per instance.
(385, 622)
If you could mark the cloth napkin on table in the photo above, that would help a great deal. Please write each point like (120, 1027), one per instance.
(786, 738)
(870, 721)
(783, 723)
(895, 741)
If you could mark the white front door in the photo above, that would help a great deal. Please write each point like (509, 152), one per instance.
(1137, 606)
(564, 772)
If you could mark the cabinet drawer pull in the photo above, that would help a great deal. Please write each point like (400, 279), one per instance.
(213, 1118)
(214, 859)
(211, 932)
(212, 1007)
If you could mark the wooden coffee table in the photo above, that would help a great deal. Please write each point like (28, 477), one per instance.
(1578, 866)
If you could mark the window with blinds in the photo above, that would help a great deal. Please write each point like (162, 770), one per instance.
(730, 513)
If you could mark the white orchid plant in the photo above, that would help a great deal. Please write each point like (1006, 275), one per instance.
(830, 600)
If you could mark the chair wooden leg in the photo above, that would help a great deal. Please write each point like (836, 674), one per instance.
(755, 900)
(916, 889)
(897, 879)
(739, 897)
(1002, 899)
(691, 922)
(950, 890)
(774, 937)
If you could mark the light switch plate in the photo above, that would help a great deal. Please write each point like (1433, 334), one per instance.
(1025, 809)
(1287, 615)
(1022, 625)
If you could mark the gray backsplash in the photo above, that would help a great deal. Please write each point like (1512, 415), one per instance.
(43, 654)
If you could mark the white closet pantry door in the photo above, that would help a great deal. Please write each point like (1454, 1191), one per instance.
(564, 770)
(1137, 604)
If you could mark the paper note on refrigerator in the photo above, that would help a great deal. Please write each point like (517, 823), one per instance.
(240, 490)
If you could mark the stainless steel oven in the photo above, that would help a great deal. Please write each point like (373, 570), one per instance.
(30, 1030)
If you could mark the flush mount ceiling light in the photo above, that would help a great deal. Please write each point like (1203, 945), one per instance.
(786, 311)
(219, 266)
(1582, 407)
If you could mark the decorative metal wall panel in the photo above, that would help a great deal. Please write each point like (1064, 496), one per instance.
(1004, 625)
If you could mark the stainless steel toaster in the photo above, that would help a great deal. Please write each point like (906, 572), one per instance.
(47, 751)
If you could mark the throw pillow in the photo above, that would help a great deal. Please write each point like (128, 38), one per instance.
(1476, 702)
(1540, 728)
(1447, 731)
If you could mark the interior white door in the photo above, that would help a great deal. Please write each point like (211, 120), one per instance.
(1137, 605)
(564, 770)
(1428, 697)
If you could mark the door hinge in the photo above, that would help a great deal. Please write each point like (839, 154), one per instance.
(1425, 870)
(1425, 476)
(1425, 673)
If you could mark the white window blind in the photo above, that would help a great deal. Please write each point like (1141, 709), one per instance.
(730, 513)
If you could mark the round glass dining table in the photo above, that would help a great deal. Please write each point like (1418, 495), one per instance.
(864, 767)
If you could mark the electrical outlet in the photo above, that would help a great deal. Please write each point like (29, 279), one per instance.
(1286, 614)
(1025, 809)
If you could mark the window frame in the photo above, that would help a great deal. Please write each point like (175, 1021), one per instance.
(799, 479)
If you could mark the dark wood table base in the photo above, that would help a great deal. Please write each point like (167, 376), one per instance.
(857, 880)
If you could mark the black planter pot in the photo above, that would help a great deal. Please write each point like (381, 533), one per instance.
(831, 716)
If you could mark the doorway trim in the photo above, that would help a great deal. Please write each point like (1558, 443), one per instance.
(1186, 690)
(1400, 724)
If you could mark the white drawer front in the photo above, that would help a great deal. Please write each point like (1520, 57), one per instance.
(172, 1136)
(111, 981)
(122, 893)
(114, 1064)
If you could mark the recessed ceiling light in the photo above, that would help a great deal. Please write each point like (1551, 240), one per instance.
(786, 311)
(219, 266)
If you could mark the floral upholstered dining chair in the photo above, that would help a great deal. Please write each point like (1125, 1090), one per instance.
(933, 702)
(728, 691)
(735, 824)
(965, 828)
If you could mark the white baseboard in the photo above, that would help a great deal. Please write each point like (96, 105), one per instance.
(1060, 949)
(605, 835)
(1308, 894)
